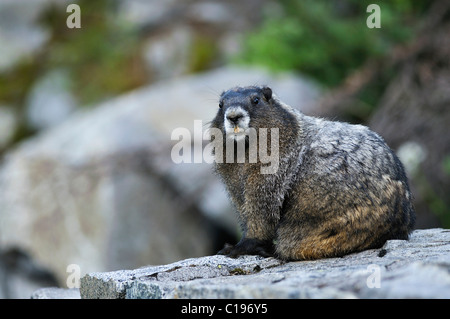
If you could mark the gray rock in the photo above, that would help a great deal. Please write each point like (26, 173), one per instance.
(139, 13)
(56, 293)
(186, 36)
(50, 100)
(162, 281)
(20, 34)
(418, 268)
(167, 54)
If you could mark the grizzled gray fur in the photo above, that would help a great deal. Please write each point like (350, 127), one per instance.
(338, 188)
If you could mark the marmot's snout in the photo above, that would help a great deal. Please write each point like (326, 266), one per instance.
(236, 120)
(234, 117)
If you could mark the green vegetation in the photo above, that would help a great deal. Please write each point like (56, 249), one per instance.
(103, 59)
(203, 52)
(103, 56)
(328, 39)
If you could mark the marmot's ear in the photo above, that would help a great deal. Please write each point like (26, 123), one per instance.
(267, 92)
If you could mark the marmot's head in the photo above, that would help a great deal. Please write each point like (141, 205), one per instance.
(241, 108)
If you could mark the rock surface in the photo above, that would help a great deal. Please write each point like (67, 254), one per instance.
(418, 268)
(56, 293)
(20, 34)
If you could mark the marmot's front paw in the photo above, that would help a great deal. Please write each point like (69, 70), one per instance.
(225, 250)
(248, 246)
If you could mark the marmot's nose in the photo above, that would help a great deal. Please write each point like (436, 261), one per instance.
(234, 117)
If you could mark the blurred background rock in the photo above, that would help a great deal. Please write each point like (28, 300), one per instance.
(86, 117)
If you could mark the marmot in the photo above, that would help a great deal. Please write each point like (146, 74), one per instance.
(338, 188)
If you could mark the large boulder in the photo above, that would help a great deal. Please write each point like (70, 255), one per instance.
(101, 190)
(417, 268)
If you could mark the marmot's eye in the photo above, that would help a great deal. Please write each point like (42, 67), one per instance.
(221, 104)
(255, 100)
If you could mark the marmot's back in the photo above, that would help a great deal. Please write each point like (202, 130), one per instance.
(338, 188)
(352, 192)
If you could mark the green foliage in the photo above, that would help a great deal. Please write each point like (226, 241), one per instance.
(203, 52)
(103, 56)
(446, 165)
(328, 39)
